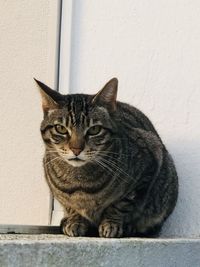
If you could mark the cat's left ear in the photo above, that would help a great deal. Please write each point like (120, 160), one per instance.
(108, 95)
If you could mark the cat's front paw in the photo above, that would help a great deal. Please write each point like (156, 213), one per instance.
(110, 229)
(74, 229)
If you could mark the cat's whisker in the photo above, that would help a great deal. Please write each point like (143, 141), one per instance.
(58, 152)
(125, 175)
(114, 156)
(56, 149)
(112, 153)
(50, 152)
(51, 160)
(105, 167)
(111, 158)
(111, 163)
(98, 163)
(110, 169)
(104, 155)
(119, 138)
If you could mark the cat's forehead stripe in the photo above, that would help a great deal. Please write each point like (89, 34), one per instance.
(74, 114)
(77, 111)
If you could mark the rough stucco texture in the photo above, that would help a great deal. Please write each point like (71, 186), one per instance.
(153, 48)
(28, 49)
(85, 252)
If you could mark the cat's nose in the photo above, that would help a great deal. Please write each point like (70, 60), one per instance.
(76, 150)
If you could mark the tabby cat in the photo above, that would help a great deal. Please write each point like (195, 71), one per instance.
(106, 164)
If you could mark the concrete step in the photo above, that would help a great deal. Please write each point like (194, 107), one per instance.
(59, 250)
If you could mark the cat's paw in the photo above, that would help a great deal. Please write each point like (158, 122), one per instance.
(110, 229)
(74, 229)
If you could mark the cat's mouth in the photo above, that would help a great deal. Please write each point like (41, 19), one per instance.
(76, 162)
(76, 159)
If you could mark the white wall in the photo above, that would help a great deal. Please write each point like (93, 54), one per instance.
(153, 48)
(28, 49)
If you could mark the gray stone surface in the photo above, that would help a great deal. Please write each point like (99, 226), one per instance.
(58, 250)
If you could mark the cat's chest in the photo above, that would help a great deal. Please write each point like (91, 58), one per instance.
(86, 195)
(87, 205)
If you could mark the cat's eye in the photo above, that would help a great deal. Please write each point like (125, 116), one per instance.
(94, 130)
(61, 129)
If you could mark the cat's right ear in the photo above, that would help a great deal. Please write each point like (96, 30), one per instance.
(49, 97)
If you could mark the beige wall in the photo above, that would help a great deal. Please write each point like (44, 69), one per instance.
(28, 32)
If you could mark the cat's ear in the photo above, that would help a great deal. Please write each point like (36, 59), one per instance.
(108, 94)
(49, 97)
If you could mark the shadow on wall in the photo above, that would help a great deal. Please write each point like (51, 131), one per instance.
(185, 220)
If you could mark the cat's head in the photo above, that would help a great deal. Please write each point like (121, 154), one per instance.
(78, 127)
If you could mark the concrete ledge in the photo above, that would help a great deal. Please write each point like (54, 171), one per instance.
(58, 250)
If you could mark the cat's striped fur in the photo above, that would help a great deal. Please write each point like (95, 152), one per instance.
(106, 164)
